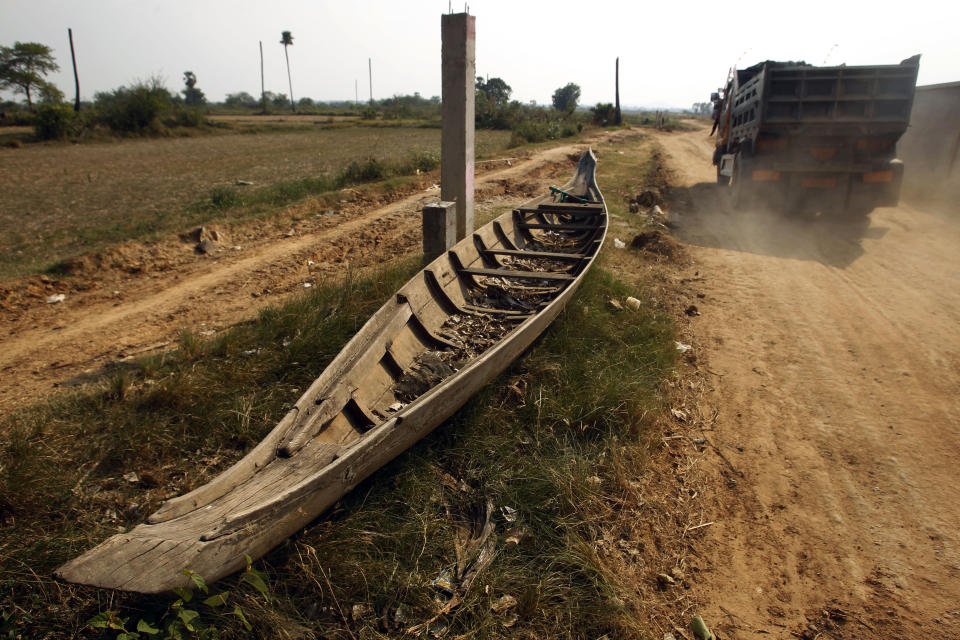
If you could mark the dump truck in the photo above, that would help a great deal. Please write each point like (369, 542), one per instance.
(801, 138)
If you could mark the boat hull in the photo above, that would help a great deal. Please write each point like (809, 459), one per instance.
(342, 430)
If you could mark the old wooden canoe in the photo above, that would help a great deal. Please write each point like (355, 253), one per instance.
(458, 323)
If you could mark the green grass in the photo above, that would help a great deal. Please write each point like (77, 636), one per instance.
(60, 201)
(552, 439)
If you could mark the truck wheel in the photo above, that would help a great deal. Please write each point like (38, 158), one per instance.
(722, 180)
(739, 191)
(853, 211)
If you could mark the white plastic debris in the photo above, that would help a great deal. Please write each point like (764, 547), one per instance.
(618, 243)
(633, 303)
(307, 285)
(131, 477)
(55, 298)
(681, 347)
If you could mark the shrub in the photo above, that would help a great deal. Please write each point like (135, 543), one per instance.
(529, 131)
(222, 197)
(186, 116)
(419, 161)
(367, 171)
(133, 109)
(604, 113)
(54, 121)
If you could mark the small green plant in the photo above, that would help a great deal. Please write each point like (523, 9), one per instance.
(190, 343)
(223, 197)
(119, 385)
(420, 161)
(368, 170)
(188, 616)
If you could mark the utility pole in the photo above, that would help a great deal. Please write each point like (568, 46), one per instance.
(370, 67)
(616, 118)
(76, 78)
(263, 90)
(356, 93)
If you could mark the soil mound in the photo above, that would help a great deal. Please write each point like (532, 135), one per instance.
(658, 243)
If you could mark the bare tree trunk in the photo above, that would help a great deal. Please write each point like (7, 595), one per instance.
(263, 90)
(616, 118)
(76, 78)
(293, 105)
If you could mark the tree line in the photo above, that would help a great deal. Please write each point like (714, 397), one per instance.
(148, 106)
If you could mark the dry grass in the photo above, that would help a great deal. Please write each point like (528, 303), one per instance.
(553, 445)
(594, 492)
(256, 120)
(62, 200)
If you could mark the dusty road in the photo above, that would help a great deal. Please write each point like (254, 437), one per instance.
(834, 355)
(137, 298)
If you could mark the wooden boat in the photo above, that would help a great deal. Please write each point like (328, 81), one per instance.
(458, 323)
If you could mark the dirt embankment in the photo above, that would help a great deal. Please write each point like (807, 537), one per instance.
(833, 360)
(129, 300)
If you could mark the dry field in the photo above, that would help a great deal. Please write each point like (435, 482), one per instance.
(285, 120)
(61, 200)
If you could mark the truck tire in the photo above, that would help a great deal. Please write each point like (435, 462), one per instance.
(739, 191)
(855, 211)
(722, 180)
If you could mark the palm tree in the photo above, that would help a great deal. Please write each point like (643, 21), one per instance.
(286, 41)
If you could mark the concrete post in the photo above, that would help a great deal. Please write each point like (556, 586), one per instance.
(439, 229)
(458, 33)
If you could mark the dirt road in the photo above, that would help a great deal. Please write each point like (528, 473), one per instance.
(833, 351)
(139, 297)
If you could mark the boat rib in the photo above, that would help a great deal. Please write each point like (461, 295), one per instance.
(409, 367)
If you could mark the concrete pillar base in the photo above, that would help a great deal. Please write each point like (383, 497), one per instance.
(439, 229)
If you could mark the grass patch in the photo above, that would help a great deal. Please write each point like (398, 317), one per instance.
(549, 445)
(62, 201)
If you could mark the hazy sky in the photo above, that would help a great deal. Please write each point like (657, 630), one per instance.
(671, 53)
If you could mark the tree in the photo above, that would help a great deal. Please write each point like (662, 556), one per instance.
(241, 99)
(565, 98)
(702, 108)
(496, 90)
(286, 41)
(192, 96)
(49, 94)
(492, 103)
(23, 67)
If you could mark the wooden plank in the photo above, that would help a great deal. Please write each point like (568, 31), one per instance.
(504, 312)
(558, 227)
(565, 210)
(510, 273)
(570, 206)
(551, 255)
